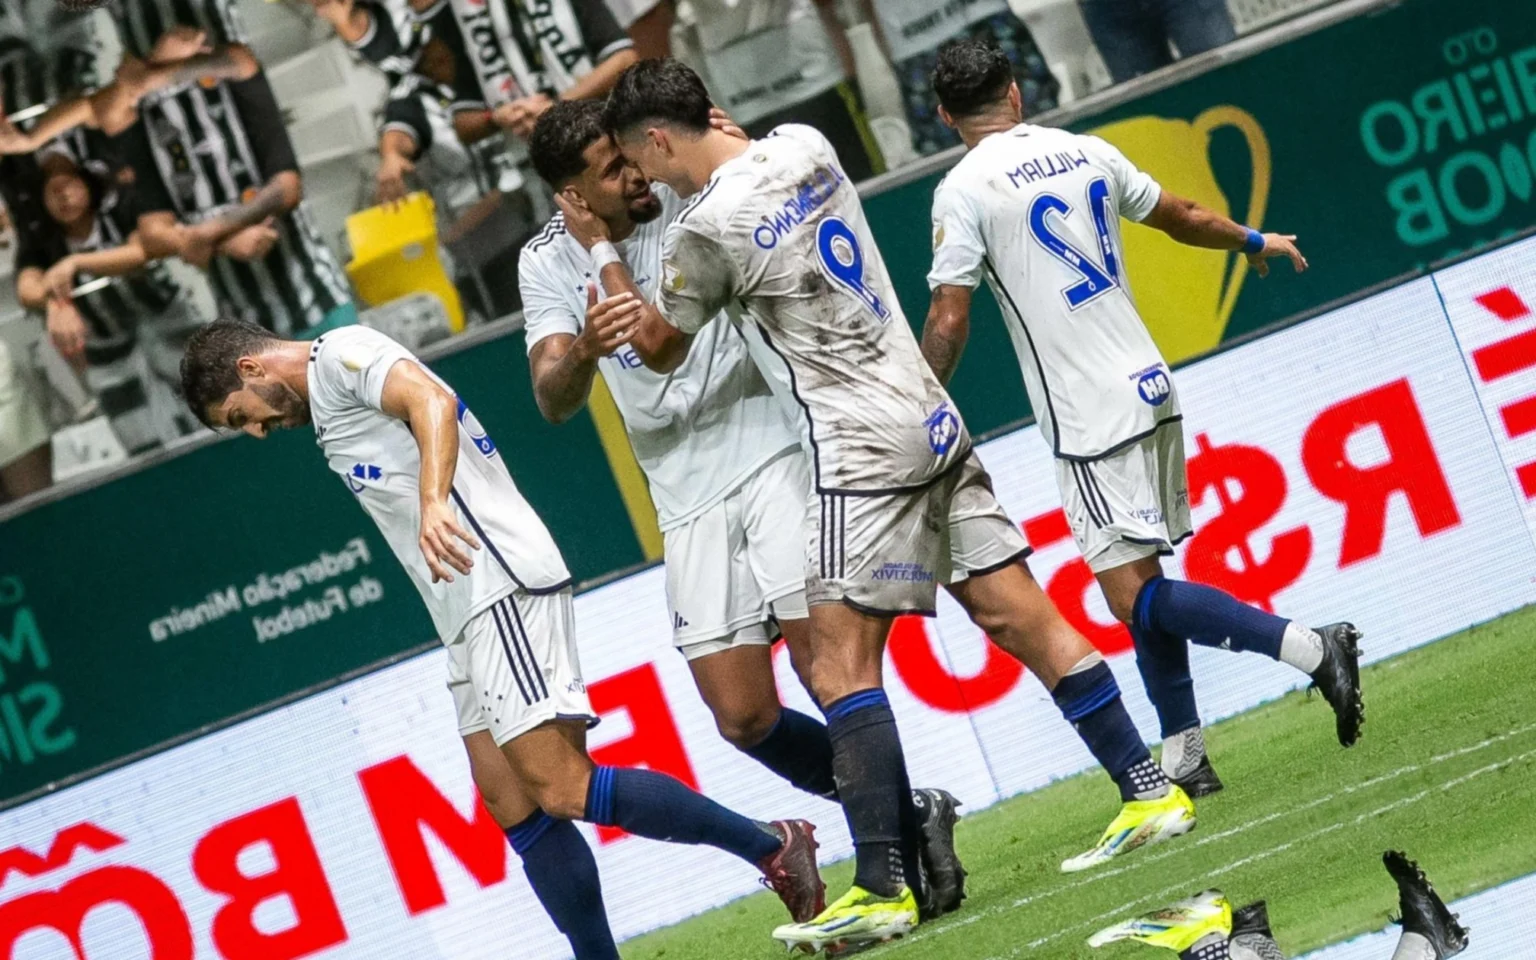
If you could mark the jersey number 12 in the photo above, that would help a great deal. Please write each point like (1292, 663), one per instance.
(1096, 281)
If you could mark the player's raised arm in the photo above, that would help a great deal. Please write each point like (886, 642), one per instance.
(412, 395)
(1198, 226)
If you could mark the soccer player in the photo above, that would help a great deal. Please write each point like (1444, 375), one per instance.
(723, 463)
(775, 236)
(424, 469)
(1037, 212)
(1206, 927)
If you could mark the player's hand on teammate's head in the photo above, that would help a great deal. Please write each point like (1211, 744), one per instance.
(722, 121)
(443, 542)
(611, 322)
(584, 226)
(1277, 245)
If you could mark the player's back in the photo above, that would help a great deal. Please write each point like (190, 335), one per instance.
(825, 325)
(377, 457)
(1044, 205)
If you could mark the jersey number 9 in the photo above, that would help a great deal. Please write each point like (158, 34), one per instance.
(837, 246)
(1096, 281)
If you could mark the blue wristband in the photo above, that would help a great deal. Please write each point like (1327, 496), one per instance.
(1254, 243)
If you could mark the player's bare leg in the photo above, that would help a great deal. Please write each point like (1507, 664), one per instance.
(552, 763)
(1009, 605)
(1165, 615)
(555, 856)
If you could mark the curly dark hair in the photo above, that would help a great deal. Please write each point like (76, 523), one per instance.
(561, 136)
(659, 91)
(971, 74)
(209, 371)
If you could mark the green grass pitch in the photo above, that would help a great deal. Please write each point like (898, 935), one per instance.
(1446, 770)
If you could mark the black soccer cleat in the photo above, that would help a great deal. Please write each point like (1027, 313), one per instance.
(1423, 912)
(1251, 937)
(1201, 781)
(1338, 679)
(937, 811)
(1253, 918)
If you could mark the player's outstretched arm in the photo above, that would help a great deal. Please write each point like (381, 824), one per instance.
(411, 394)
(947, 329)
(1190, 223)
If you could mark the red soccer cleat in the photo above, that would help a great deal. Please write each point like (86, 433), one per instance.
(792, 872)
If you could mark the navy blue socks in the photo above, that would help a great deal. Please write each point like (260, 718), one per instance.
(1090, 700)
(872, 782)
(659, 807)
(798, 749)
(563, 874)
(1209, 617)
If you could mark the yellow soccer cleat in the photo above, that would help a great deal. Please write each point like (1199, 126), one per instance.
(858, 919)
(1179, 927)
(1140, 823)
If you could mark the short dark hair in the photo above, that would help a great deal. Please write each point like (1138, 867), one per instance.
(971, 75)
(561, 136)
(208, 369)
(662, 91)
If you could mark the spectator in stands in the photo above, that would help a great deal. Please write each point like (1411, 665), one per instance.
(769, 62)
(911, 32)
(26, 456)
(112, 313)
(1139, 36)
(218, 181)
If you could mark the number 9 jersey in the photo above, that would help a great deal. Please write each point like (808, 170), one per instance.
(1036, 210)
(778, 239)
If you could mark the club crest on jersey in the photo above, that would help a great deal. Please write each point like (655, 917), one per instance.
(1154, 386)
(476, 432)
(943, 429)
(672, 278)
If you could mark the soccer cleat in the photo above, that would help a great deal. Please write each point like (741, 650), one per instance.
(1338, 678)
(945, 888)
(1177, 927)
(792, 873)
(1140, 823)
(1201, 781)
(858, 919)
(1424, 913)
(1251, 937)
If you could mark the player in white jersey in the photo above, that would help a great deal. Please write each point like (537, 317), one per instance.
(1036, 211)
(425, 471)
(724, 464)
(775, 236)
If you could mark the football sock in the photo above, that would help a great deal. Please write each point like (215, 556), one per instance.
(1213, 947)
(563, 874)
(1164, 665)
(1301, 647)
(1415, 947)
(872, 782)
(1208, 616)
(1183, 752)
(799, 750)
(659, 807)
(1089, 698)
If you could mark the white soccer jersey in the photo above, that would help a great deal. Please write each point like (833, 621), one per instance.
(778, 235)
(697, 432)
(1037, 211)
(376, 456)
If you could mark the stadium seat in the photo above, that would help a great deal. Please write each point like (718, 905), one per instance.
(395, 254)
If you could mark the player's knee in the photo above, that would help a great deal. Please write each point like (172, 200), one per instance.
(564, 798)
(1120, 607)
(744, 728)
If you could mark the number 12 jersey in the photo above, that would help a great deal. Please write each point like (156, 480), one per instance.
(1036, 210)
(778, 239)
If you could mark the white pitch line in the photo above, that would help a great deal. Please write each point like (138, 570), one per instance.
(944, 927)
(1162, 895)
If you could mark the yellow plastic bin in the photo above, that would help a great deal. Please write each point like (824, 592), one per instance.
(394, 254)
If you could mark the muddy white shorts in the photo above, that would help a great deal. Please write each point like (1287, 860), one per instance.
(514, 666)
(1131, 504)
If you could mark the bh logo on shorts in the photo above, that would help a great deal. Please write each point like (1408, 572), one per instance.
(476, 432)
(943, 429)
(1154, 386)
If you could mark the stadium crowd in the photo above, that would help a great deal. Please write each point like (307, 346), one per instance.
(151, 180)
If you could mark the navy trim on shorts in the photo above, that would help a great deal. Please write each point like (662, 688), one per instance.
(512, 661)
(1128, 442)
(984, 571)
(877, 612)
(522, 629)
(491, 546)
(1084, 491)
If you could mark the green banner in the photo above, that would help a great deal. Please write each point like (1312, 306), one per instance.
(1384, 143)
(180, 596)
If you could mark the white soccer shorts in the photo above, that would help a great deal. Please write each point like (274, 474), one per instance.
(741, 561)
(515, 667)
(887, 554)
(1131, 504)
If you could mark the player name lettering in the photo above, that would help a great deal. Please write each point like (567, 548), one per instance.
(815, 192)
(1043, 168)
